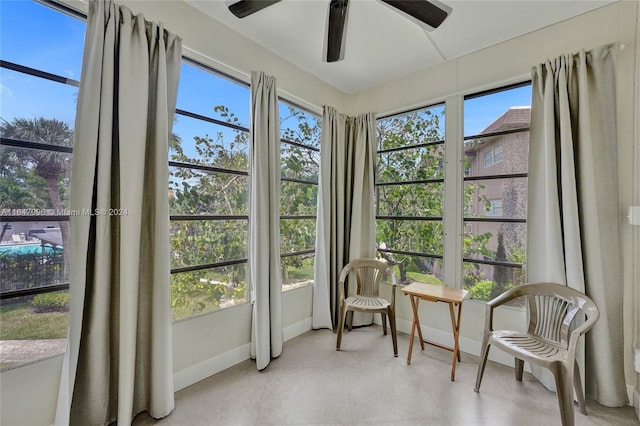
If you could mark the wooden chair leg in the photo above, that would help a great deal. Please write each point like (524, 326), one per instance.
(483, 362)
(384, 323)
(340, 326)
(519, 369)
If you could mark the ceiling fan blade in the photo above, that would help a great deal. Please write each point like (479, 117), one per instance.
(245, 8)
(336, 26)
(432, 13)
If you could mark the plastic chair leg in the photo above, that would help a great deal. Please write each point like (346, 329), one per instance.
(394, 331)
(483, 362)
(577, 384)
(564, 391)
(340, 326)
(519, 369)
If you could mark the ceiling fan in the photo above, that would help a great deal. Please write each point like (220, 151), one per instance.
(428, 13)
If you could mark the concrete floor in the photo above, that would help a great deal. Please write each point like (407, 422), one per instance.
(313, 384)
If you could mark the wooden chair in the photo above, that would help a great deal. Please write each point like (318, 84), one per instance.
(558, 316)
(368, 274)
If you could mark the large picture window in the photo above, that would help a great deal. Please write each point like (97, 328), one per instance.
(496, 146)
(40, 62)
(410, 193)
(300, 162)
(208, 184)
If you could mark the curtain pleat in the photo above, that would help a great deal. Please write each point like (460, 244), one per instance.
(264, 221)
(345, 226)
(573, 202)
(119, 357)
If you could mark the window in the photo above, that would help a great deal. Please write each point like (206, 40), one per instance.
(495, 195)
(208, 192)
(495, 208)
(493, 155)
(39, 73)
(300, 162)
(410, 193)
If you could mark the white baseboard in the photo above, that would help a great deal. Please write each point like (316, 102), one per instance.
(296, 329)
(208, 368)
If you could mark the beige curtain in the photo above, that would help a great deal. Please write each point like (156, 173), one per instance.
(118, 361)
(573, 219)
(345, 227)
(264, 221)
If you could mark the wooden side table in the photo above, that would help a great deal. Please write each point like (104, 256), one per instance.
(436, 293)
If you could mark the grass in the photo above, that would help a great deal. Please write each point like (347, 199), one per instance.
(18, 322)
(419, 277)
(424, 278)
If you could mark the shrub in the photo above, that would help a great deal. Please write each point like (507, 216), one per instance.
(50, 302)
(481, 290)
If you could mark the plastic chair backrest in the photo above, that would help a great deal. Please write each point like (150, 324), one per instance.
(556, 310)
(368, 273)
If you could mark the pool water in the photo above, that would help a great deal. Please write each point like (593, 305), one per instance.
(25, 249)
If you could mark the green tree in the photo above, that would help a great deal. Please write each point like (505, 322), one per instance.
(299, 196)
(193, 191)
(410, 185)
(500, 273)
(18, 163)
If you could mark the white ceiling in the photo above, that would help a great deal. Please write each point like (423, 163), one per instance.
(381, 44)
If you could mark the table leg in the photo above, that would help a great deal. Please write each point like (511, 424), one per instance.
(415, 323)
(455, 325)
(418, 326)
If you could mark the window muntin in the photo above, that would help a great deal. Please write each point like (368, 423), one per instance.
(221, 193)
(299, 168)
(50, 41)
(495, 190)
(208, 193)
(410, 193)
(507, 194)
(38, 74)
(201, 242)
(221, 97)
(197, 291)
(421, 162)
(210, 144)
(19, 89)
(416, 200)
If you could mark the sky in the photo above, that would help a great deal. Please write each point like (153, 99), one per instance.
(24, 22)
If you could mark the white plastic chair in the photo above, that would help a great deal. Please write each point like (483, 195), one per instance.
(368, 274)
(558, 316)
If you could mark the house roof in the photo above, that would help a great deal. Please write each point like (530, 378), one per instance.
(513, 118)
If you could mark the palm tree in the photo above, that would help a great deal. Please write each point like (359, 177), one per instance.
(49, 165)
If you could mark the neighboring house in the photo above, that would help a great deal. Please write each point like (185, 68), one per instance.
(496, 155)
(24, 232)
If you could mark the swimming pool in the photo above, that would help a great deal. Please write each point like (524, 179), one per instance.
(25, 249)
